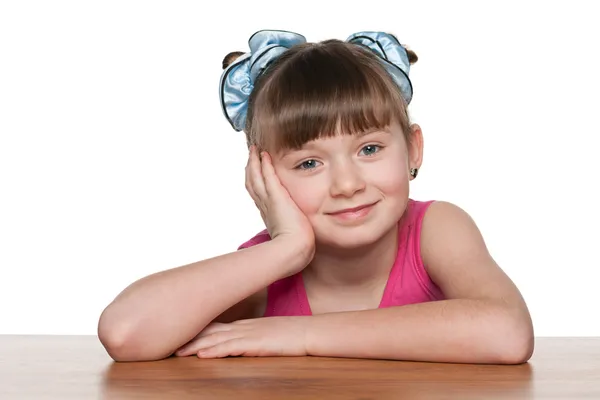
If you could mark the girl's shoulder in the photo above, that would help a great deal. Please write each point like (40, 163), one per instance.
(438, 222)
(453, 246)
(439, 214)
(429, 213)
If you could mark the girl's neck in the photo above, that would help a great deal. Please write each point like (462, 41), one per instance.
(354, 267)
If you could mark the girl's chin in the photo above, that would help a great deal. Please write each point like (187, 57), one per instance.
(352, 239)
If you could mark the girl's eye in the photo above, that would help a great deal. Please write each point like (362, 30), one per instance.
(308, 164)
(370, 149)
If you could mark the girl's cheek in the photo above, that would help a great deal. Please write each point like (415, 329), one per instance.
(301, 189)
(305, 197)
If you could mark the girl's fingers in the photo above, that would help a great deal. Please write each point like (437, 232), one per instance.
(227, 348)
(261, 181)
(205, 340)
(256, 179)
(248, 182)
(200, 343)
(272, 184)
(191, 347)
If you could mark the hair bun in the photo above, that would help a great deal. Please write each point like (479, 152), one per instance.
(231, 57)
(412, 56)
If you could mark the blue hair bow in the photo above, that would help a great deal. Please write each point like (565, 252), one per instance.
(392, 54)
(237, 80)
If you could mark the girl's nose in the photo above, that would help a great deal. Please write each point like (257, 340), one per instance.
(346, 180)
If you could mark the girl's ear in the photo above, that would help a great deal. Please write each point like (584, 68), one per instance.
(415, 147)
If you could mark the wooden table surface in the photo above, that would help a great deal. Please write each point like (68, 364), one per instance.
(77, 367)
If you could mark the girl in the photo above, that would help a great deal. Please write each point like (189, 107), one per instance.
(348, 265)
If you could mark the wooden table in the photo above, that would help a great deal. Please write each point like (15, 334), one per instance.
(77, 367)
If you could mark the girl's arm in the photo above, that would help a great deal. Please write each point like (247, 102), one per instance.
(156, 315)
(483, 320)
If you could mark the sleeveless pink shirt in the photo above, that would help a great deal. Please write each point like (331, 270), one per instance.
(408, 281)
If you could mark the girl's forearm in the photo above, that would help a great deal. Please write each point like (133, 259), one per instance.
(461, 331)
(152, 317)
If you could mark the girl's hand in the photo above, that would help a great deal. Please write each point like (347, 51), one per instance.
(260, 337)
(282, 217)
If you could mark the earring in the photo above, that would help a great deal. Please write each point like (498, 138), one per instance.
(414, 172)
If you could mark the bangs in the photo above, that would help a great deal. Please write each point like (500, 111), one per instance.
(322, 91)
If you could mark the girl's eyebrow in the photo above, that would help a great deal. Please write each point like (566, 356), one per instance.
(289, 152)
(310, 145)
(373, 130)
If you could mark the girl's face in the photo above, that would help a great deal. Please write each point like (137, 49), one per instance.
(353, 189)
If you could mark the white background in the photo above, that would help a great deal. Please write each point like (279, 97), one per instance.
(116, 161)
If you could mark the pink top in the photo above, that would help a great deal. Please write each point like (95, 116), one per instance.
(408, 282)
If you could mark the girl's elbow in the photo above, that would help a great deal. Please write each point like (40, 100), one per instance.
(114, 339)
(121, 343)
(518, 352)
(517, 342)
(120, 349)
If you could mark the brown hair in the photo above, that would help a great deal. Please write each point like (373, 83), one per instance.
(317, 90)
